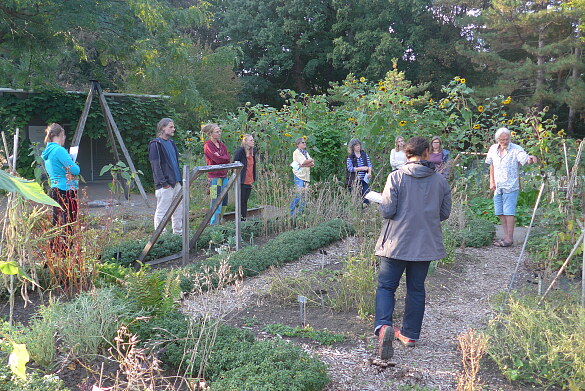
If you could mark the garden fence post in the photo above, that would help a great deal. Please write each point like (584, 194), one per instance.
(583, 278)
(186, 203)
(237, 196)
(7, 152)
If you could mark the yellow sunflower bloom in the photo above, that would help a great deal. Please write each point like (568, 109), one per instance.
(513, 134)
(383, 89)
(462, 81)
(380, 83)
(476, 126)
(241, 136)
(287, 135)
(456, 78)
(562, 132)
(305, 138)
(480, 109)
(510, 122)
(402, 123)
(362, 79)
(505, 114)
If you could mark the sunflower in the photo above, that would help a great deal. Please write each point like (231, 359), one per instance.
(476, 126)
(383, 89)
(480, 109)
(402, 123)
(462, 81)
(241, 136)
(456, 78)
(362, 79)
(287, 135)
(304, 138)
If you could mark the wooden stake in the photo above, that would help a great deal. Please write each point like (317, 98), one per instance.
(562, 269)
(110, 118)
(7, 152)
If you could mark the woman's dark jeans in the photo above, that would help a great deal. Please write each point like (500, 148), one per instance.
(391, 271)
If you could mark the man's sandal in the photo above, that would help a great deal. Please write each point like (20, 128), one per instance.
(502, 243)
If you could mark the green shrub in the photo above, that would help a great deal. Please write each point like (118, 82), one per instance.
(33, 382)
(40, 338)
(286, 247)
(154, 292)
(237, 361)
(483, 208)
(111, 273)
(126, 252)
(269, 365)
(357, 286)
(88, 323)
(323, 337)
(476, 233)
(540, 345)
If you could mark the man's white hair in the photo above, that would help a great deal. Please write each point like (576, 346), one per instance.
(500, 131)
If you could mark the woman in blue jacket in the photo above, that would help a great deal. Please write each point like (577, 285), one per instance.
(61, 169)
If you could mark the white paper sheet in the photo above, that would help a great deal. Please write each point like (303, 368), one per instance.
(374, 197)
(73, 152)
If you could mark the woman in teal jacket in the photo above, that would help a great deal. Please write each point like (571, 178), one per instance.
(61, 169)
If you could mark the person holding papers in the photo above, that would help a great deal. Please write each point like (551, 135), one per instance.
(61, 169)
(415, 200)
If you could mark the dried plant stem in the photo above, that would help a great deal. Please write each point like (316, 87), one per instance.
(472, 345)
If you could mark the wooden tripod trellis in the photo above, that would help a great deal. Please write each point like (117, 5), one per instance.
(184, 196)
(112, 129)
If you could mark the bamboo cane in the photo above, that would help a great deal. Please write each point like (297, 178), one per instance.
(575, 247)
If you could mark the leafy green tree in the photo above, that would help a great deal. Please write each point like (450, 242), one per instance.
(534, 50)
(422, 35)
(284, 44)
(147, 46)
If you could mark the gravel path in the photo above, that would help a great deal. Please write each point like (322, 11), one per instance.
(457, 301)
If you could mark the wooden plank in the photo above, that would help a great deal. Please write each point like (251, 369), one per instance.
(165, 220)
(212, 210)
(7, 152)
(237, 195)
(81, 124)
(165, 259)
(195, 172)
(15, 151)
(121, 141)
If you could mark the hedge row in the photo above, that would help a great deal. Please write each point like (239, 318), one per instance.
(286, 247)
(125, 253)
(237, 361)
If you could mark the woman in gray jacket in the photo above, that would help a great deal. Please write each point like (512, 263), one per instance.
(414, 202)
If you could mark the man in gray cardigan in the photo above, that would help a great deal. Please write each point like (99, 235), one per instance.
(414, 202)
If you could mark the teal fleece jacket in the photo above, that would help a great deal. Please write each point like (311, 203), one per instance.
(58, 163)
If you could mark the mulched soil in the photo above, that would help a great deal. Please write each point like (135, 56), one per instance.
(457, 300)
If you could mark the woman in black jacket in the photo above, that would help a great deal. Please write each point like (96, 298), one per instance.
(247, 156)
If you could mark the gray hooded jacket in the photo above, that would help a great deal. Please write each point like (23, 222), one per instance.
(414, 202)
